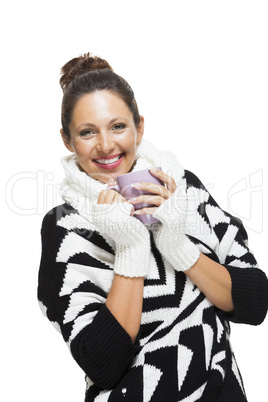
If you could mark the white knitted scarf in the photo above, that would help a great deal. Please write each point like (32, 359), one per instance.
(81, 191)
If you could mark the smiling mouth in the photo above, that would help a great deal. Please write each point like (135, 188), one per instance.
(108, 161)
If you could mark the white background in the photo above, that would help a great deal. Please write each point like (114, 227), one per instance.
(199, 72)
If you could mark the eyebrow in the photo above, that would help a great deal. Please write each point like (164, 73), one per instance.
(88, 124)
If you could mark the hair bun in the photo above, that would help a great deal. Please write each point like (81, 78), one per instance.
(81, 65)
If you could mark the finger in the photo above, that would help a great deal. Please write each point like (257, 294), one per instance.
(107, 196)
(110, 196)
(111, 182)
(152, 188)
(168, 180)
(101, 198)
(150, 199)
(118, 197)
(144, 211)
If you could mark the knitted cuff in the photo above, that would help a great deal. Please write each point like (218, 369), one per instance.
(169, 236)
(112, 219)
(132, 261)
(250, 295)
(104, 350)
(177, 248)
(132, 239)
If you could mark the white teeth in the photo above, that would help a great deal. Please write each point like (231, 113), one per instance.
(108, 161)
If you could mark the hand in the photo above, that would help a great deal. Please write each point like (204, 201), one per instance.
(159, 193)
(112, 216)
(169, 236)
(111, 196)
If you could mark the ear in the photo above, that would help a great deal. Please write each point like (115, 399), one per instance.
(140, 130)
(66, 141)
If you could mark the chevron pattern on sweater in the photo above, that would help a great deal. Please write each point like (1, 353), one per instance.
(183, 351)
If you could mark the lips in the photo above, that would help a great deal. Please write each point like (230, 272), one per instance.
(108, 157)
(106, 165)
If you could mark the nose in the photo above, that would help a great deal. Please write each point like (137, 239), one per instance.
(105, 143)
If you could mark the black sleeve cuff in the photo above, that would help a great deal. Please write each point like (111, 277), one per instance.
(104, 350)
(250, 295)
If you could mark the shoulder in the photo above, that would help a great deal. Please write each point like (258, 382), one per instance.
(53, 232)
(192, 180)
(207, 205)
(57, 213)
(51, 221)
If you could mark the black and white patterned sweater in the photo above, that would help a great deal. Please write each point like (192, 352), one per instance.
(182, 352)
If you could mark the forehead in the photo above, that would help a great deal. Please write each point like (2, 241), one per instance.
(100, 105)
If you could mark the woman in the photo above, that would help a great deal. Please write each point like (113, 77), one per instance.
(144, 309)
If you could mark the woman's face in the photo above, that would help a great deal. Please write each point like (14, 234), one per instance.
(103, 135)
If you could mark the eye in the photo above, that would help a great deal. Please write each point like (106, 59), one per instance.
(86, 133)
(119, 126)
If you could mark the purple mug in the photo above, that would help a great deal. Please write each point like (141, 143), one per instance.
(123, 186)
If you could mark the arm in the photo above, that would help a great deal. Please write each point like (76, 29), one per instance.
(196, 236)
(212, 278)
(226, 271)
(214, 281)
(249, 283)
(112, 215)
(72, 299)
(237, 287)
(106, 352)
(125, 301)
(106, 348)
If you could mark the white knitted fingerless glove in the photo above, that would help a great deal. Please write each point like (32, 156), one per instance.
(169, 235)
(132, 239)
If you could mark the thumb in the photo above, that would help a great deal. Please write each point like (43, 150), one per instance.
(111, 182)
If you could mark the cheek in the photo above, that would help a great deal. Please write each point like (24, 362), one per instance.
(129, 141)
(82, 148)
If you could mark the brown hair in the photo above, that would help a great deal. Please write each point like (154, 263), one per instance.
(86, 74)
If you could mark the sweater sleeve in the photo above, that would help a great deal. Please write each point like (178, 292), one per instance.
(249, 283)
(76, 261)
(225, 240)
